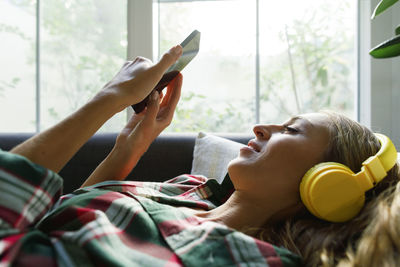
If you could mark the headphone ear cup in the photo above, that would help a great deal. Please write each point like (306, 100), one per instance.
(330, 191)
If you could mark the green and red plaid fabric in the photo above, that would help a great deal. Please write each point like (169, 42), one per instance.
(118, 223)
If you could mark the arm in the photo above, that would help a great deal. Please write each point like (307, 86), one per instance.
(137, 135)
(54, 147)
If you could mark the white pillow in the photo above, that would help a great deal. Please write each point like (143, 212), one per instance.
(212, 154)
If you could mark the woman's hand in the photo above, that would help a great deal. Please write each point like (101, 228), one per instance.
(144, 127)
(138, 134)
(137, 78)
(131, 84)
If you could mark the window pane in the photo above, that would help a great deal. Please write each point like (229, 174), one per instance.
(219, 84)
(307, 60)
(17, 75)
(83, 46)
(308, 57)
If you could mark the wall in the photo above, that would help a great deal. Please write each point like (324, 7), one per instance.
(379, 78)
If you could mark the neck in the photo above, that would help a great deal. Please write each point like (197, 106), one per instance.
(241, 212)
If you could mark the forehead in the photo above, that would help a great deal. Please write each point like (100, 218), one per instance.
(315, 120)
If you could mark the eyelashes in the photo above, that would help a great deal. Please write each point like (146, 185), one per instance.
(289, 129)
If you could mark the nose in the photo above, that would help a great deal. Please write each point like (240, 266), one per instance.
(261, 131)
(264, 131)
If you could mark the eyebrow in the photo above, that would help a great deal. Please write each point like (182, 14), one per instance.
(295, 118)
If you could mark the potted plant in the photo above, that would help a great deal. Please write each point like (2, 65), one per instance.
(391, 47)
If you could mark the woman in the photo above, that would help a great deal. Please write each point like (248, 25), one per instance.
(266, 202)
(189, 220)
(369, 239)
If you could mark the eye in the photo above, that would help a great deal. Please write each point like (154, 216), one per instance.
(289, 129)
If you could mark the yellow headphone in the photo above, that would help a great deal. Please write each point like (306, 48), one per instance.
(332, 192)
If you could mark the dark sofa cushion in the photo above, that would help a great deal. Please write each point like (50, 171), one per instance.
(168, 156)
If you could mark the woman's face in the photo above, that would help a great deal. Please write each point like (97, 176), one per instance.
(272, 164)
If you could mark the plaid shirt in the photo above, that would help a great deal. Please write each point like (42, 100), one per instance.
(118, 223)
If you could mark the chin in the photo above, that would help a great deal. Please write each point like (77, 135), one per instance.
(236, 168)
(240, 161)
(231, 166)
(233, 162)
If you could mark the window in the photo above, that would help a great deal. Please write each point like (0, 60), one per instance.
(262, 61)
(308, 57)
(82, 45)
(259, 61)
(17, 75)
(219, 85)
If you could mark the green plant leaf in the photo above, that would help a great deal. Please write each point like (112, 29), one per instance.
(397, 31)
(382, 6)
(389, 48)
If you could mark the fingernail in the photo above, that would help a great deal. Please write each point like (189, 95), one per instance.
(176, 50)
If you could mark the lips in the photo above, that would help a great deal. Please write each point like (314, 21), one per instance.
(254, 145)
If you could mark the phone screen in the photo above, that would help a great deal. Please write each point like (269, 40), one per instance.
(190, 48)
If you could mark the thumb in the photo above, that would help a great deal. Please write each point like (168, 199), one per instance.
(168, 59)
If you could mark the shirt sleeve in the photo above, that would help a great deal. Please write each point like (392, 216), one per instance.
(27, 192)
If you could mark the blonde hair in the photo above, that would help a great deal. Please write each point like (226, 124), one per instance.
(372, 238)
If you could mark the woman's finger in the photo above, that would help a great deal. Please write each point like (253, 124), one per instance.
(168, 59)
(152, 107)
(176, 87)
(173, 91)
(172, 98)
(167, 96)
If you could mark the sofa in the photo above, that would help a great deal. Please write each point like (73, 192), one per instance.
(168, 156)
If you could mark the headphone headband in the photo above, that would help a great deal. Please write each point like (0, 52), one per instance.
(375, 168)
(387, 154)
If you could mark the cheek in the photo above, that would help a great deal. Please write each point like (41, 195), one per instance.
(297, 160)
(281, 169)
(288, 167)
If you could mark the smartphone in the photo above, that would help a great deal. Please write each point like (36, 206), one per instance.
(190, 48)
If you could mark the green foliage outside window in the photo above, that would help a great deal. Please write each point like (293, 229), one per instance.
(316, 71)
(83, 44)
